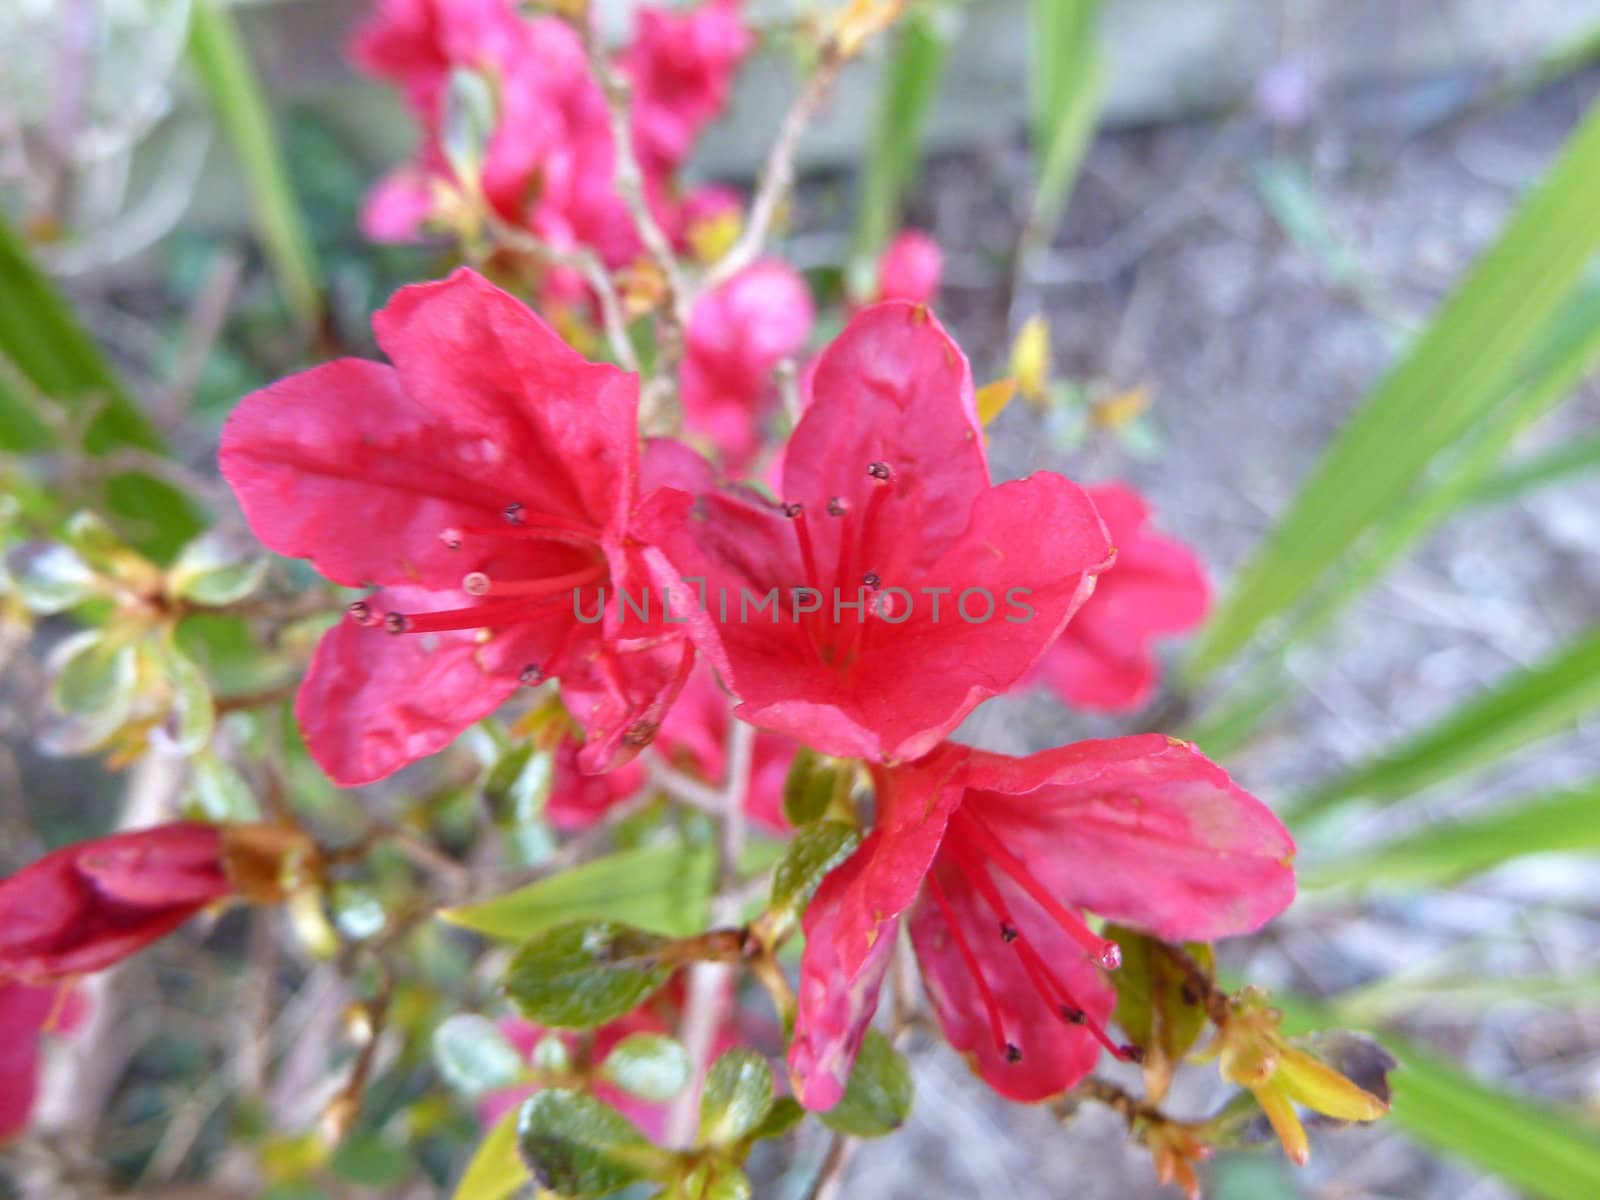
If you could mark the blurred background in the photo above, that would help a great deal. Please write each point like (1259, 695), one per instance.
(1237, 217)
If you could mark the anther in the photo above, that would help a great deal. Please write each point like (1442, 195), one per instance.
(1008, 933)
(513, 513)
(793, 510)
(396, 622)
(451, 538)
(1073, 1016)
(1132, 1053)
(872, 580)
(1013, 1054)
(361, 612)
(530, 675)
(475, 584)
(881, 471)
(837, 507)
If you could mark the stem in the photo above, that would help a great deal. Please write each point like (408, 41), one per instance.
(777, 175)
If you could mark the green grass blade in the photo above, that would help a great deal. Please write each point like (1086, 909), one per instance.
(1533, 703)
(1572, 458)
(1441, 854)
(1536, 1147)
(52, 363)
(1068, 75)
(224, 69)
(1457, 372)
(910, 85)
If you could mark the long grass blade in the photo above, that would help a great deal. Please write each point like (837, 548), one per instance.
(1068, 76)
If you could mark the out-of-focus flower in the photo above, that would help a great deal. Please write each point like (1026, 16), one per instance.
(1030, 361)
(737, 335)
(911, 269)
(713, 218)
(27, 1014)
(1255, 1054)
(88, 905)
(681, 65)
(990, 859)
(485, 483)
(1105, 659)
(902, 586)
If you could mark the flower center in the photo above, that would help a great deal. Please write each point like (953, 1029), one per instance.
(975, 851)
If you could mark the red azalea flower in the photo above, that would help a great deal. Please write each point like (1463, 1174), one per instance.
(577, 798)
(681, 65)
(485, 482)
(911, 268)
(887, 504)
(989, 859)
(88, 905)
(1105, 660)
(27, 1013)
(737, 335)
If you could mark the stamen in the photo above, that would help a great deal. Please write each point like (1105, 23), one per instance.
(361, 612)
(881, 471)
(793, 509)
(1008, 932)
(1013, 1055)
(520, 525)
(838, 506)
(479, 584)
(1104, 952)
(477, 616)
(530, 675)
(513, 513)
(996, 1025)
(872, 580)
(802, 533)
(396, 622)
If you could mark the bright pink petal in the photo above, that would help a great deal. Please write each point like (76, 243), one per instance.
(372, 702)
(397, 207)
(577, 800)
(911, 269)
(1145, 830)
(1055, 1053)
(852, 922)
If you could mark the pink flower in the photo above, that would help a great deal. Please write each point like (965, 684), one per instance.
(485, 483)
(901, 587)
(989, 860)
(1105, 659)
(737, 335)
(681, 64)
(27, 1013)
(911, 269)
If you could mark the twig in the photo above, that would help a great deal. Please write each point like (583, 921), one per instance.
(777, 175)
(835, 1165)
(628, 180)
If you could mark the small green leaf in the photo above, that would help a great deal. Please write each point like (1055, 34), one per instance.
(217, 569)
(736, 1097)
(369, 1160)
(92, 674)
(584, 974)
(877, 1099)
(783, 1116)
(815, 850)
(807, 788)
(191, 715)
(474, 1056)
(662, 888)
(496, 1171)
(651, 1066)
(218, 791)
(518, 784)
(468, 122)
(575, 1146)
(1155, 1007)
(50, 577)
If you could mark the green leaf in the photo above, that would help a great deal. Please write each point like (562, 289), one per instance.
(1068, 76)
(584, 974)
(219, 792)
(1570, 458)
(217, 568)
(1455, 375)
(1154, 1005)
(1443, 853)
(51, 350)
(224, 69)
(474, 1056)
(808, 787)
(1539, 1149)
(783, 1116)
(815, 850)
(191, 715)
(1533, 703)
(496, 1171)
(92, 674)
(877, 1098)
(652, 1066)
(889, 166)
(370, 1161)
(736, 1098)
(662, 888)
(518, 785)
(50, 577)
(576, 1146)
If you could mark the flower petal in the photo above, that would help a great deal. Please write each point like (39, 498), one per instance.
(1145, 830)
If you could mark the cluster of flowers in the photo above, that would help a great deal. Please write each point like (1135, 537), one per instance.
(489, 486)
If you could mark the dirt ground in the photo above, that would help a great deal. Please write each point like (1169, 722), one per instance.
(1171, 273)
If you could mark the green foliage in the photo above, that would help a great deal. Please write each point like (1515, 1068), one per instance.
(1459, 371)
(474, 1056)
(584, 974)
(662, 888)
(877, 1098)
(496, 1170)
(736, 1098)
(815, 850)
(1154, 1005)
(1068, 76)
(809, 787)
(223, 67)
(575, 1146)
(651, 1066)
